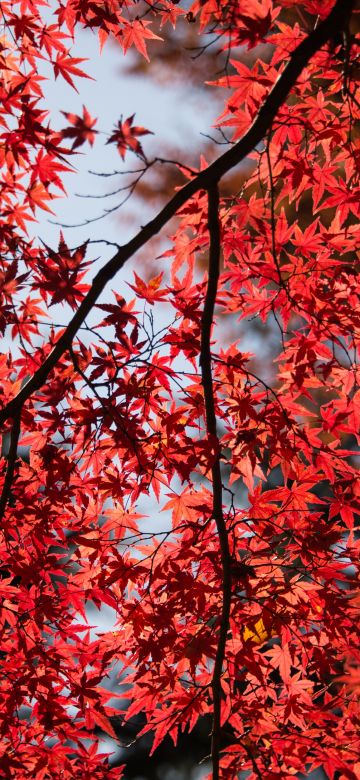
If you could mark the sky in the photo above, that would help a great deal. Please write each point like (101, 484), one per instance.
(173, 113)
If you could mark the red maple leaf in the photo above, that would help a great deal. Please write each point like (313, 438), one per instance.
(125, 137)
(82, 129)
(67, 67)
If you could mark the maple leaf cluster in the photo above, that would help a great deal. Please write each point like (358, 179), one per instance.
(240, 602)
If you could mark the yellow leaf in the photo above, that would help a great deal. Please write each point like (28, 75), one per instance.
(258, 635)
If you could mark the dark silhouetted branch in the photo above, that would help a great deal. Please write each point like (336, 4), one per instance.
(11, 460)
(217, 510)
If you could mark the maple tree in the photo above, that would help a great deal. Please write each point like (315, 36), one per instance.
(246, 608)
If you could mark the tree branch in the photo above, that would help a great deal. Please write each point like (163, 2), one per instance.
(204, 180)
(12, 458)
(217, 511)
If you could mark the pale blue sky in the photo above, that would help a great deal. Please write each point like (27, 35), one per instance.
(174, 113)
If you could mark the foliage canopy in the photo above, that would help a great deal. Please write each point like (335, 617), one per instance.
(245, 608)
